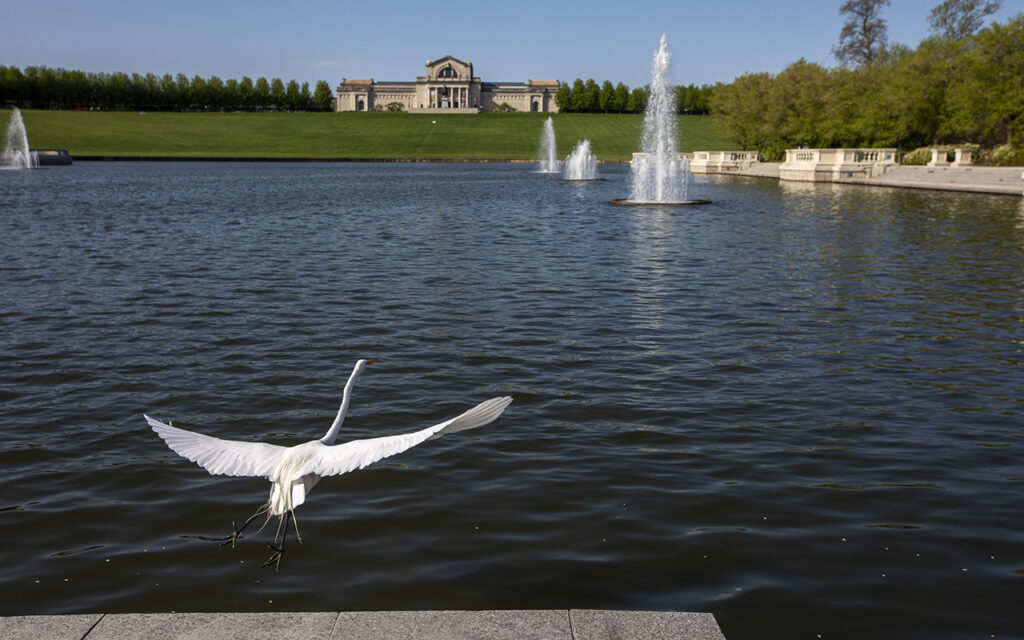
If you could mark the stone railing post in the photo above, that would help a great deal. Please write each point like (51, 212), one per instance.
(963, 158)
(939, 158)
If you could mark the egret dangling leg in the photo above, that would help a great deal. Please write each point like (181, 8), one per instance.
(237, 533)
(275, 557)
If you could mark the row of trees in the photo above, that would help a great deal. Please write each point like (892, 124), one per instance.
(48, 88)
(962, 84)
(589, 97)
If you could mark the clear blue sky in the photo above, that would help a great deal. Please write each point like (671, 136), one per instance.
(513, 40)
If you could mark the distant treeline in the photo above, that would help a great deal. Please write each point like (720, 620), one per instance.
(48, 88)
(589, 97)
(947, 91)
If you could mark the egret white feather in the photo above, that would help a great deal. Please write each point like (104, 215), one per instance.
(294, 471)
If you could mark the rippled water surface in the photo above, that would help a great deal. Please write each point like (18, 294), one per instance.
(799, 407)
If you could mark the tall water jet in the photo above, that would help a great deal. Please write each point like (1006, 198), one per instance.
(660, 174)
(581, 163)
(548, 161)
(16, 153)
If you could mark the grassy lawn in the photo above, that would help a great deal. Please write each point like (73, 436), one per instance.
(504, 136)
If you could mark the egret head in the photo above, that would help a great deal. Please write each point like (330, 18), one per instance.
(362, 364)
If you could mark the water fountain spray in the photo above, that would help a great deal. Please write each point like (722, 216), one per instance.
(16, 153)
(660, 174)
(548, 160)
(581, 163)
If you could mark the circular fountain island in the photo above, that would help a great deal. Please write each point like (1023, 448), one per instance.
(661, 175)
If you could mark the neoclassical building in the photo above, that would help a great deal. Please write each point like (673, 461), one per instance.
(449, 86)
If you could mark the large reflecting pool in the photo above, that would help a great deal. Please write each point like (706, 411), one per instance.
(799, 407)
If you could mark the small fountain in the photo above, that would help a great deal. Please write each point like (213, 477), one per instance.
(16, 153)
(581, 165)
(548, 161)
(660, 174)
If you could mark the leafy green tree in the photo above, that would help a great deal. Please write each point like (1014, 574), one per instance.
(246, 93)
(864, 35)
(118, 90)
(230, 99)
(605, 96)
(184, 90)
(292, 96)
(197, 93)
(591, 96)
(959, 19)
(262, 96)
(620, 98)
(852, 107)
(578, 102)
(322, 96)
(909, 88)
(77, 89)
(796, 106)
(692, 99)
(985, 100)
(637, 102)
(146, 91)
(741, 106)
(215, 93)
(11, 85)
(34, 89)
(169, 96)
(563, 97)
(277, 93)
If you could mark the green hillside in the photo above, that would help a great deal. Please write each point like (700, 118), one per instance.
(505, 136)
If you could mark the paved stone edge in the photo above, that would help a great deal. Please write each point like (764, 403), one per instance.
(546, 624)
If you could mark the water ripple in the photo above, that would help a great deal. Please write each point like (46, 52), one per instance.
(796, 407)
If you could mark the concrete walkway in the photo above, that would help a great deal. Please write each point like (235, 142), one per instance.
(1000, 180)
(1003, 180)
(555, 624)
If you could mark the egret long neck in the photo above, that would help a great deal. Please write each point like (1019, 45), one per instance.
(332, 433)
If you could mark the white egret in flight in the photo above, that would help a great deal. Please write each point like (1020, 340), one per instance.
(294, 471)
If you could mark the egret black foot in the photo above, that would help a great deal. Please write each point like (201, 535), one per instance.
(230, 538)
(237, 533)
(275, 558)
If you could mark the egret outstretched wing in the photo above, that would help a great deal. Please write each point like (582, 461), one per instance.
(220, 457)
(342, 458)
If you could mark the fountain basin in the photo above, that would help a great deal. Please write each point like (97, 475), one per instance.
(53, 157)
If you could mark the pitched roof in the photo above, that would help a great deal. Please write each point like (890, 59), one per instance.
(434, 63)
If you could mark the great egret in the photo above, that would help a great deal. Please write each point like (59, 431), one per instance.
(294, 471)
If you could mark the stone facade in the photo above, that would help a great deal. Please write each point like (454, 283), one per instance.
(449, 86)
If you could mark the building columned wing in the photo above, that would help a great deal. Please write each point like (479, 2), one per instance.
(449, 86)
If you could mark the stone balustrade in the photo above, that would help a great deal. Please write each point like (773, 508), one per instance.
(723, 161)
(829, 165)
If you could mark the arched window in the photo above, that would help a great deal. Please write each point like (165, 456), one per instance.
(447, 73)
